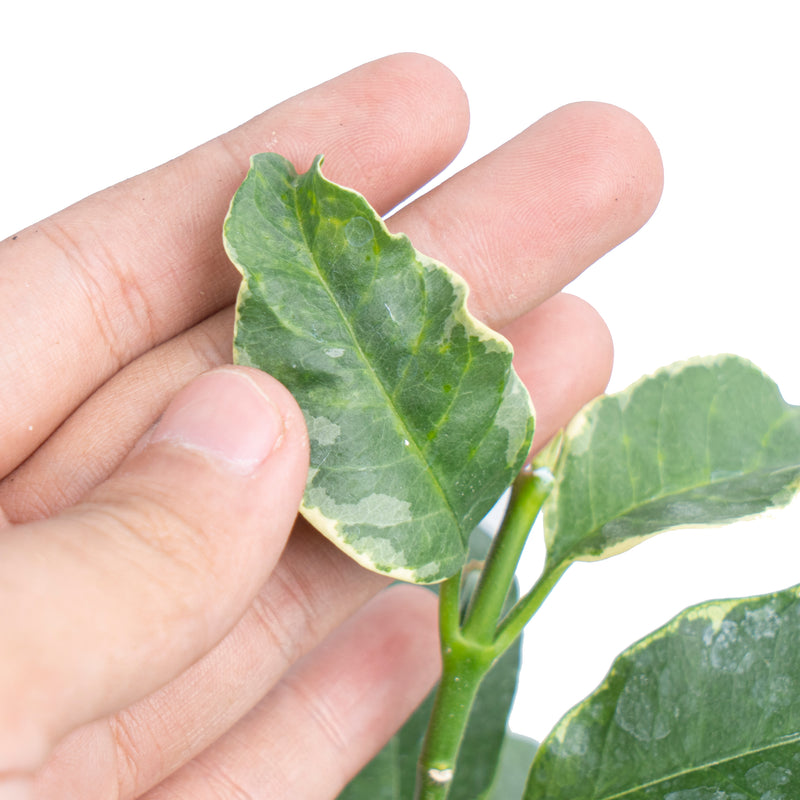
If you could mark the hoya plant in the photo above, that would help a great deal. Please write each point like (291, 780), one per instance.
(418, 425)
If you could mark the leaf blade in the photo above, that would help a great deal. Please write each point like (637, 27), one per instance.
(702, 442)
(417, 421)
(706, 708)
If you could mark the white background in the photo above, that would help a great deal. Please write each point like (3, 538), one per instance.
(95, 92)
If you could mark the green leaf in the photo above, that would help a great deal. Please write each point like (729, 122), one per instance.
(416, 419)
(391, 775)
(702, 442)
(512, 769)
(706, 708)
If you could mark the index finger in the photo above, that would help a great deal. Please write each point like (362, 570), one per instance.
(86, 291)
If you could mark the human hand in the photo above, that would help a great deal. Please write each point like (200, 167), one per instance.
(163, 635)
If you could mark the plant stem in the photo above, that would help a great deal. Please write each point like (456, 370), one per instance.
(469, 650)
(528, 493)
(450, 608)
(463, 668)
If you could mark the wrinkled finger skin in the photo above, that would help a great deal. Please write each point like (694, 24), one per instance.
(87, 291)
(135, 292)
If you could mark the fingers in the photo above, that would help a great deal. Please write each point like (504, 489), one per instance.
(313, 589)
(586, 365)
(526, 219)
(513, 260)
(95, 439)
(563, 352)
(338, 706)
(564, 355)
(554, 229)
(122, 593)
(91, 288)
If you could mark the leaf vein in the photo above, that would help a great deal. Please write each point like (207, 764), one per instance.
(370, 370)
(788, 740)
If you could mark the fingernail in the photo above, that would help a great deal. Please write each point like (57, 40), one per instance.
(16, 789)
(225, 415)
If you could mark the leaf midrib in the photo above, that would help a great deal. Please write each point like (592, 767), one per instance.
(409, 435)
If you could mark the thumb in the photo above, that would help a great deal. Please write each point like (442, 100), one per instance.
(113, 598)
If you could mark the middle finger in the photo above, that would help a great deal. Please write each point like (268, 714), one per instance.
(522, 222)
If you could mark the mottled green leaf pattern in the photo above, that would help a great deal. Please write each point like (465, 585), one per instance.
(706, 708)
(702, 442)
(416, 419)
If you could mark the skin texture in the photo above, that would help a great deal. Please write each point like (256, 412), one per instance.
(170, 638)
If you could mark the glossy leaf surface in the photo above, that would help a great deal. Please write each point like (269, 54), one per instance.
(707, 708)
(706, 441)
(416, 419)
(391, 775)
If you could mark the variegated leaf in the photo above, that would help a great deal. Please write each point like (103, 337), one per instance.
(417, 420)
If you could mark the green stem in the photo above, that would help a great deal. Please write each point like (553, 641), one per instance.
(463, 668)
(519, 616)
(469, 650)
(528, 493)
(450, 609)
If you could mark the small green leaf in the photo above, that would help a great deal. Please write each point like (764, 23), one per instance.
(391, 775)
(416, 419)
(703, 442)
(706, 708)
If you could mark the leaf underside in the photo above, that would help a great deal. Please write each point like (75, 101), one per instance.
(706, 708)
(703, 442)
(417, 422)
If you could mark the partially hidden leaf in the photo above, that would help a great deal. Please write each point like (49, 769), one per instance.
(416, 419)
(702, 442)
(512, 769)
(706, 708)
(391, 775)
